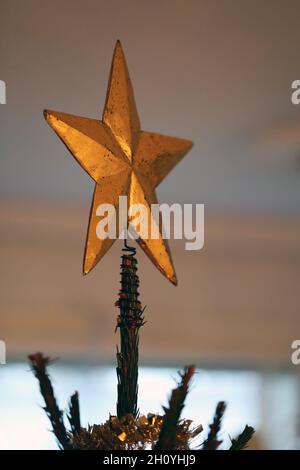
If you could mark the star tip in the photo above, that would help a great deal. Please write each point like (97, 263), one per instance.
(118, 45)
(88, 266)
(86, 270)
(190, 144)
(46, 113)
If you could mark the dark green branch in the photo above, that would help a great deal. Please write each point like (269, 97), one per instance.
(39, 365)
(242, 440)
(212, 442)
(129, 321)
(167, 436)
(74, 414)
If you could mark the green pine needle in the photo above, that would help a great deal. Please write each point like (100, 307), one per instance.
(242, 440)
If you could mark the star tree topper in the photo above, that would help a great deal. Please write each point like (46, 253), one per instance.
(122, 160)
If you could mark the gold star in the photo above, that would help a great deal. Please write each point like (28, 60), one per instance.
(122, 160)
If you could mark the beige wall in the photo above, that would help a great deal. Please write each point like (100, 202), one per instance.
(237, 301)
(218, 72)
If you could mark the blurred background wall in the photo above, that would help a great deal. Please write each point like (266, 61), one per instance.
(216, 72)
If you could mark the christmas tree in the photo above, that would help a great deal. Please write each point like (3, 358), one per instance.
(125, 161)
(128, 429)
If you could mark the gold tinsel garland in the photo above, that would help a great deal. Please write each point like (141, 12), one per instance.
(129, 433)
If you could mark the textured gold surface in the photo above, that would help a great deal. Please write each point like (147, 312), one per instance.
(122, 160)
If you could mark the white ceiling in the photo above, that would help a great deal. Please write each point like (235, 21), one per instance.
(217, 72)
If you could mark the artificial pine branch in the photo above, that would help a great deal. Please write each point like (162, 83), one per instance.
(164, 432)
(129, 321)
(212, 442)
(167, 436)
(74, 414)
(242, 440)
(129, 430)
(39, 365)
